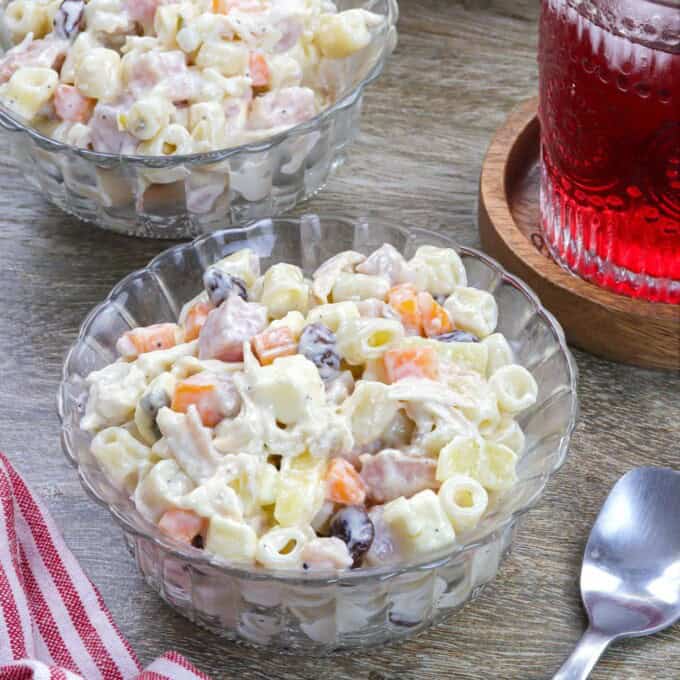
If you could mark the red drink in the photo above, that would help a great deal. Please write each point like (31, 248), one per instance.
(610, 142)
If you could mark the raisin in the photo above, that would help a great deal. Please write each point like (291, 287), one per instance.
(152, 403)
(219, 285)
(319, 344)
(353, 526)
(197, 541)
(69, 19)
(456, 336)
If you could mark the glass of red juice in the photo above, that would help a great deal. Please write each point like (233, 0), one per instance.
(610, 142)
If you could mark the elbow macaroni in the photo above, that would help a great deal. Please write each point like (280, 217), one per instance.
(147, 117)
(350, 286)
(173, 140)
(29, 89)
(333, 315)
(499, 352)
(515, 388)
(281, 548)
(464, 501)
(443, 269)
(98, 74)
(473, 310)
(284, 290)
(363, 340)
(25, 16)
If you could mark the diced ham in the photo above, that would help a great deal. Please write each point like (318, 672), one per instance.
(165, 69)
(144, 11)
(353, 455)
(391, 473)
(291, 29)
(71, 105)
(228, 327)
(106, 137)
(388, 262)
(285, 107)
(373, 308)
(47, 53)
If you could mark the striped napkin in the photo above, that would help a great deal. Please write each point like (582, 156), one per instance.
(54, 624)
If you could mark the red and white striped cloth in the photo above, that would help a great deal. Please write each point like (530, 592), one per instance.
(54, 624)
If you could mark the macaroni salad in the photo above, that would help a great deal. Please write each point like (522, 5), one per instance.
(156, 77)
(363, 416)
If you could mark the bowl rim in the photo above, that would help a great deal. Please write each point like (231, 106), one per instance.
(13, 123)
(289, 576)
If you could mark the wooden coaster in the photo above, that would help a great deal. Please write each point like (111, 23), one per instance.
(597, 320)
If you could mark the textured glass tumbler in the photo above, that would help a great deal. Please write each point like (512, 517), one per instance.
(184, 196)
(319, 612)
(610, 142)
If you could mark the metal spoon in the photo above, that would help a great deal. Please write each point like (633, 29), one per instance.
(630, 579)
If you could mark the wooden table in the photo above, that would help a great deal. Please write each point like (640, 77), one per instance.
(458, 70)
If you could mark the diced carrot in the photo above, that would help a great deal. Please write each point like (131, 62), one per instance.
(147, 339)
(70, 104)
(182, 525)
(434, 318)
(274, 343)
(344, 484)
(410, 362)
(404, 301)
(201, 391)
(196, 317)
(259, 71)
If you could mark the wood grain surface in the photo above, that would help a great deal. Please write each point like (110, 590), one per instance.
(648, 334)
(460, 67)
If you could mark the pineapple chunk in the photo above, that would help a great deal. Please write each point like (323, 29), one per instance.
(419, 523)
(301, 491)
(231, 539)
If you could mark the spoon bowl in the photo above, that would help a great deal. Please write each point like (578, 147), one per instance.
(630, 579)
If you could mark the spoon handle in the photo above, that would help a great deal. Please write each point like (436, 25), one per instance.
(584, 657)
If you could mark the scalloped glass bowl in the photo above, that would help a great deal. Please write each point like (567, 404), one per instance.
(317, 613)
(184, 196)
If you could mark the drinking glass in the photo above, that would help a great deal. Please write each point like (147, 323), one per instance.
(610, 142)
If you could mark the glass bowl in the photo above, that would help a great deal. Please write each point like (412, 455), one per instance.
(184, 196)
(322, 612)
